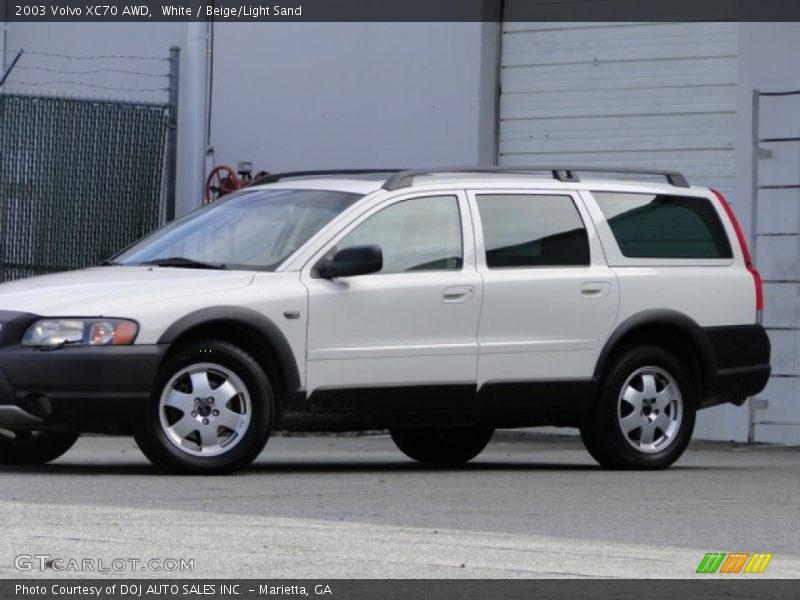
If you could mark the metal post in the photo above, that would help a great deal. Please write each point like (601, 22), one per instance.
(194, 117)
(172, 132)
(11, 67)
(751, 407)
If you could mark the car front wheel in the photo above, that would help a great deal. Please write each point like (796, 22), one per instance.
(210, 411)
(442, 445)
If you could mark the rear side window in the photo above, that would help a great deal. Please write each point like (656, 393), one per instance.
(528, 230)
(664, 226)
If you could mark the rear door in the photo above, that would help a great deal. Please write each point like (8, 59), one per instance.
(549, 299)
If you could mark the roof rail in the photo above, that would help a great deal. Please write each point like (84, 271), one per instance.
(275, 177)
(404, 179)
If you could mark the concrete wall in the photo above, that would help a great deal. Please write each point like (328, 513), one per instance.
(344, 95)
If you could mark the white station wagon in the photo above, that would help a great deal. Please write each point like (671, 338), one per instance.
(439, 304)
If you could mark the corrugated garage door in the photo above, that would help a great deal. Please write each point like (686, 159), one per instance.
(658, 95)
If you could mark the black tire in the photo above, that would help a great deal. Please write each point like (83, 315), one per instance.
(35, 447)
(156, 444)
(603, 434)
(442, 445)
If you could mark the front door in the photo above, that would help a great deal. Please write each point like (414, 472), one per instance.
(403, 338)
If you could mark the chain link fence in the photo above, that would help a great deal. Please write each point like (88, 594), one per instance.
(79, 180)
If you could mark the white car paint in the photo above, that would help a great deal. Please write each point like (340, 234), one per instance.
(390, 329)
(105, 291)
(544, 323)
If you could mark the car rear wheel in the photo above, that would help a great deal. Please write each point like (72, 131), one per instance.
(34, 447)
(645, 412)
(442, 445)
(210, 411)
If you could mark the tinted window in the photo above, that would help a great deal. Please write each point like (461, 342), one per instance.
(662, 226)
(532, 231)
(423, 234)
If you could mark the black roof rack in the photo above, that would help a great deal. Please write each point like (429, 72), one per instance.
(404, 179)
(275, 177)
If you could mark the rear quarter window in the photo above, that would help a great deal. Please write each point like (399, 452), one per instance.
(664, 226)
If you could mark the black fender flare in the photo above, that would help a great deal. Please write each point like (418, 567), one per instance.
(249, 318)
(662, 317)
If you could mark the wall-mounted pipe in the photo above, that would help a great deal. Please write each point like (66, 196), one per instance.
(194, 122)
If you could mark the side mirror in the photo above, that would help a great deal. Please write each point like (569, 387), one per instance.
(356, 260)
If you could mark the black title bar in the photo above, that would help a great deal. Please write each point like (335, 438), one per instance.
(398, 10)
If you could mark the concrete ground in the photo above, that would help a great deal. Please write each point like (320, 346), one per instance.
(323, 507)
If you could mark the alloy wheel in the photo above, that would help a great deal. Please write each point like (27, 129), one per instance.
(650, 409)
(205, 409)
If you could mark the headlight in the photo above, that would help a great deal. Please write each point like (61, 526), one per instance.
(89, 332)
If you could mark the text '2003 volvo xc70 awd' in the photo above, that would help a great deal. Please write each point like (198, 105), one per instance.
(437, 304)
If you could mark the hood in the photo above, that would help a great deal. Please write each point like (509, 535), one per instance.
(104, 291)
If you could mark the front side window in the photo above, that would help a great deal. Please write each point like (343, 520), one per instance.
(531, 230)
(255, 229)
(664, 226)
(422, 234)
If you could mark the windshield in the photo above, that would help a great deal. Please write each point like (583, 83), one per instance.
(256, 229)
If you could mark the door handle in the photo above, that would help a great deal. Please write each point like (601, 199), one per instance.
(595, 289)
(458, 293)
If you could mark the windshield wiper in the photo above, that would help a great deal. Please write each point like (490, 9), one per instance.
(182, 261)
(109, 263)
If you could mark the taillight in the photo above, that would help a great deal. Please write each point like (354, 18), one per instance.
(748, 261)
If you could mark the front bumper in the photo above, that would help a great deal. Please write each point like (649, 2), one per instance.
(78, 388)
